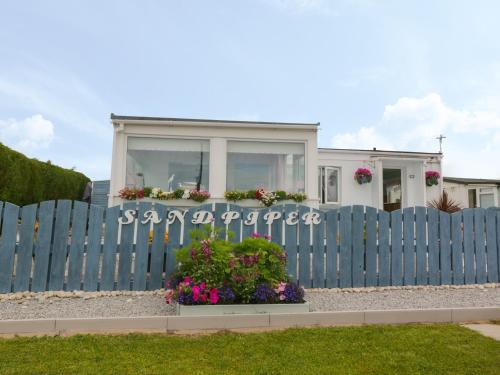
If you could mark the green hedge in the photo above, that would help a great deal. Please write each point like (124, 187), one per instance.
(25, 181)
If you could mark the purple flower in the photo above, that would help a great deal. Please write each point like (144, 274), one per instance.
(264, 294)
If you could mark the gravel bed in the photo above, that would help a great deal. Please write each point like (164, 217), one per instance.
(40, 307)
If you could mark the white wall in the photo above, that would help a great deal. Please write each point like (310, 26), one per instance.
(219, 134)
(460, 192)
(413, 166)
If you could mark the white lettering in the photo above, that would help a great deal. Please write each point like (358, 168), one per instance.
(293, 218)
(176, 214)
(252, 218)
(202, 217)
(152, 216)
(229, 216)
(271, 216)
(311, 218)
(129, 214)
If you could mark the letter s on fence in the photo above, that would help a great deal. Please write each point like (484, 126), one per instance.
(129, 215)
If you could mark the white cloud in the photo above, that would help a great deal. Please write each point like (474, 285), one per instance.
(473, 135)
(26, 135)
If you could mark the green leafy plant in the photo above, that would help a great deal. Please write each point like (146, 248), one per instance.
(242, 270)
(234, 195)
(179, 193)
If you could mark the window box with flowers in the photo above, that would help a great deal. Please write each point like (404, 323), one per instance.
(216, 277)
(363, 176)
(266, 198)
(158, 194)
(432, 178)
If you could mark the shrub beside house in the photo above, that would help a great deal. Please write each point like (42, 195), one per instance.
(24, 181)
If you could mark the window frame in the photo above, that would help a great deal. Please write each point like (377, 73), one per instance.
(258, 140)
(323, 198)
(133, 135)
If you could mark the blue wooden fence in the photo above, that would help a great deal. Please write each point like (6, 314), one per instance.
(68, 245)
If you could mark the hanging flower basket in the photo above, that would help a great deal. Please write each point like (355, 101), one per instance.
(432, 178)
(363, 176)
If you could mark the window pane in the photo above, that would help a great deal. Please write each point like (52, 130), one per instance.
(486, 200)
(267, 165)
(472, 198)
(168, 163)
(332, 183)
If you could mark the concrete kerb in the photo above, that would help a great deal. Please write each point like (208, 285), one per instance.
(172, 324)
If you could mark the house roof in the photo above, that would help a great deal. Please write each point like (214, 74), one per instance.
(177, 119)
(471, 181)
(375, 151)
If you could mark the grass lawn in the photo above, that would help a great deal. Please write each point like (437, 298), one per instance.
(409, 349)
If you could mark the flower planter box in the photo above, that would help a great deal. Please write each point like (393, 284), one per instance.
(275, 308)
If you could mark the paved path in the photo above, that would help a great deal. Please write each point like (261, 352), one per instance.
(490, 330)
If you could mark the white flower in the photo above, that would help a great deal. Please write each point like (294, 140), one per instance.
(186, 194)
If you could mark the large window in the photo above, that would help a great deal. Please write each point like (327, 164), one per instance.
(486, 197)
(168, 163)
(267, 165)
(328, 184)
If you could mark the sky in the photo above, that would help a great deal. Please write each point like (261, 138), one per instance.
(386, 74)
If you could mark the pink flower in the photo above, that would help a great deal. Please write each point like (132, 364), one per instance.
(282, 297)
(214, 296)
(187, 280)
(168, 296)
(281, 287)
(196, 293)
(255, 235)
(267, 237)
(203, 285)
(204, 297)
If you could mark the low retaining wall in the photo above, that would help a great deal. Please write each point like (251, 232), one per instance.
(166, 324)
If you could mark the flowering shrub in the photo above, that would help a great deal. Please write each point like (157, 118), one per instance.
(432, 178)
(157, 193)
(363, 176)
(267, 198)
(211, 270)
(131, 193)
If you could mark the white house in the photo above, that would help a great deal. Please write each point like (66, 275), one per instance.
(472, 192)
(221, 155)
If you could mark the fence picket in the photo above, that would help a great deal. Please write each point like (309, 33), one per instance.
(371, 246)
(358, 246)
(304, 250)
(421, 245)
(25, 249)
(109, 248)
(384, 250)
(444, 247)
(491, 244)
(409, 245)
(396, 248)
(60, 245)
(277, 226)
(77, 247)
(142, 247)
(331, 248)
(457, 248)
(433, 259)
(469, 269)
(174, 233)
(235, 225)
(262, 227)
(158, 248)
(319, 251)
(43, 246)
(8, 246)
(479, 216)
(290, 243)
(125, 249)
(94, 236)
(345, 253)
